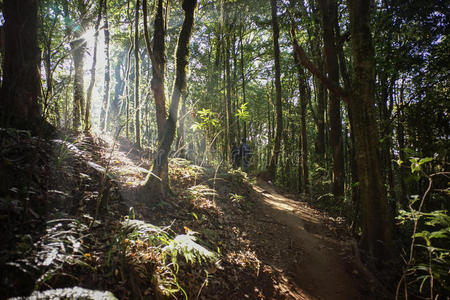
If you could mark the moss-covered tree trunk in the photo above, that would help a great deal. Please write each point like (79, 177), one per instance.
(376, 218)
(20, 93)
(158, 79)
(329, 19)
(278, 104)
(158, 180)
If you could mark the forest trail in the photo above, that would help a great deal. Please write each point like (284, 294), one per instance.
(266, 243)
(303, 254)
(325, 270)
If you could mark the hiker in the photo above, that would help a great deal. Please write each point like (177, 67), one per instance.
(245, 153)
(235, 156)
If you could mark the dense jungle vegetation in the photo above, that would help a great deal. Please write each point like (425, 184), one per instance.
(344, 105)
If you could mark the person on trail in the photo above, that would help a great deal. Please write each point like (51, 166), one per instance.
(235, 156)
(245, 153)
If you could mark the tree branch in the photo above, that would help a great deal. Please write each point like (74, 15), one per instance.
(329, 84)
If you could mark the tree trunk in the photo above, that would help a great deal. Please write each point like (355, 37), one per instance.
(230, 119)
(321, 136)
(329, 18)
(235, 104)
(278, 104)
(320, 142)
(87, 117)
(78, 84)
(114, 111)
(403, 172)
(136, 76)
(158, 180)
(244, 99)
(158, 79)
(21, 79)
(105, 104)
(269, 127)
(127, 80)
(385, 109)
(180, 145)
(376, 218)
(227, 142)
(77, 46)
(305, 94)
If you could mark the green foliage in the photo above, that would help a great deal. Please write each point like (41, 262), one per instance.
(416, 163)
(243, 113)
(426, 271)
(187, 246)
(208, 120)
(143, 239)
(417, 166)
(236, 198)
(62, 153)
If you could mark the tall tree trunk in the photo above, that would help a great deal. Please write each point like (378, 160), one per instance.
(385, 109)
(320, 90)
(278, 104)
(78, 84)
(180, 145)
(269, 127)
(321, 124)
(227, 143)
(21, 79)
(329, 17)
(158, 180)
(127, 76)
(234, 89)
(376, 218)
(159, 70)
(77, 45)
(136, 76)
(87, 117)
(105, 104)
(401, 151)
(114, 112)
(230, 119)
(48, 77)
(305, 94)
(244, 99)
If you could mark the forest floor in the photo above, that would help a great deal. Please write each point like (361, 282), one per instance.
(221, 235)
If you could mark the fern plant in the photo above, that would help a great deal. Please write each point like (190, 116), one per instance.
(162, 246)
(426, 271)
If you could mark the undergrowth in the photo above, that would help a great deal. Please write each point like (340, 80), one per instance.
(154, 253)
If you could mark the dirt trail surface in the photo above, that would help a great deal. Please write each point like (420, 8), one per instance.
(324, 269)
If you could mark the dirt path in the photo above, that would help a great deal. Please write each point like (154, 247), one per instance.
(324, 270)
